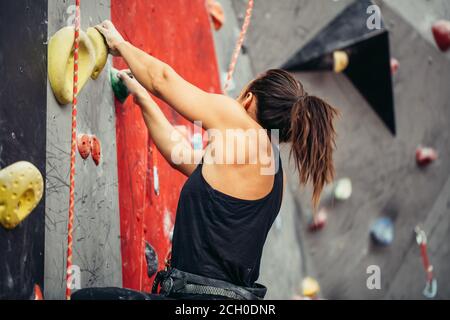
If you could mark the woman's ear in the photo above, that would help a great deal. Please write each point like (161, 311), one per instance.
(248, 100)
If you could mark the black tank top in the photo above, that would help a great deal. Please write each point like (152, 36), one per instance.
(219, 236)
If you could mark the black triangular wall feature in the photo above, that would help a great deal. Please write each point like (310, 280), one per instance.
(370, 72)
(368, 50)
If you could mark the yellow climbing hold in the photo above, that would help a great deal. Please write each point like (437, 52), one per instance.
(341, 61)
(21, 189)
(101, 51)
(310, 287)
(60, 63)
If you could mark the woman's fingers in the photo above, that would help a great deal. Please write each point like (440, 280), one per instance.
(112, 36)
(124, 76)
(107, 24)
(128, 72)
(128, 79)
(134, 87)
(101, 29)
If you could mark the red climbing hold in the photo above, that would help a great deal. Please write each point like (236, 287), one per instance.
(319, 221)
(95, 149)
(441, 33)
(425, 156)
(395, 65)
(217, 14)
(38, 293)
(84, 146)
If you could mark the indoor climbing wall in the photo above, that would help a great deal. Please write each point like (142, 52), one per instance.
(179, 33)
(23, 62)
(96, 245)
(125, 193)
(386, 180)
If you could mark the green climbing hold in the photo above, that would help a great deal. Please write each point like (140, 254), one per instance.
(120, 90)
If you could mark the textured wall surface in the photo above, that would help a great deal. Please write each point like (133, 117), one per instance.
(23, 64)
(382, 167)
(178, 33)
(96, 243)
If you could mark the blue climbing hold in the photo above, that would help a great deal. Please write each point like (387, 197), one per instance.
(382, 231)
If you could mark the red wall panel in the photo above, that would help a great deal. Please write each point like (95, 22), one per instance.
(179, 33)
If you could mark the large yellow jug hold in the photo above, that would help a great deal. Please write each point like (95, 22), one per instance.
(101, 51)
(21, 189)
(60, 63)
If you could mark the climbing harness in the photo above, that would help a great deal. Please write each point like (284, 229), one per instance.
(239, 44)
(73, 151)
(430, 290)
(174, 282)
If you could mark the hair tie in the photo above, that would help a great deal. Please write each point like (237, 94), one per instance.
(302, 97)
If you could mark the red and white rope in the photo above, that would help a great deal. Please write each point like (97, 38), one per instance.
(240, 42)
(73, 151)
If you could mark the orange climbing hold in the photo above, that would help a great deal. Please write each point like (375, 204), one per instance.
(84, 145)
(95, 149)
(217, 14)
(38, 293)
(441, 33)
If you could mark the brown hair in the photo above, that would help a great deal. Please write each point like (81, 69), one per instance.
(303, 120)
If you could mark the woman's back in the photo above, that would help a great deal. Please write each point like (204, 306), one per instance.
(220, 236)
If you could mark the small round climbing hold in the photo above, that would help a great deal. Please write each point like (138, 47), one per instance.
(310, 287)
(382, 231)
(425, 156)
(395, 65)
(318, 221)
(343, 189)
(84, 145)
(95, 149)
(441, 33)
(341, 61)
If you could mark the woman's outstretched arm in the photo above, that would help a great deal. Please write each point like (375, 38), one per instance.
(213, 110)
(174, 147)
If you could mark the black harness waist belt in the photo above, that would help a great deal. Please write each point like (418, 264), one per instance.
(176, 282)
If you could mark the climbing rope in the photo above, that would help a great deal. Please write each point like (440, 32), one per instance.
(73, 150)
(239, 44)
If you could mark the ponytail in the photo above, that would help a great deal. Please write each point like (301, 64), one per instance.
(305, 121)
(313, 136)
